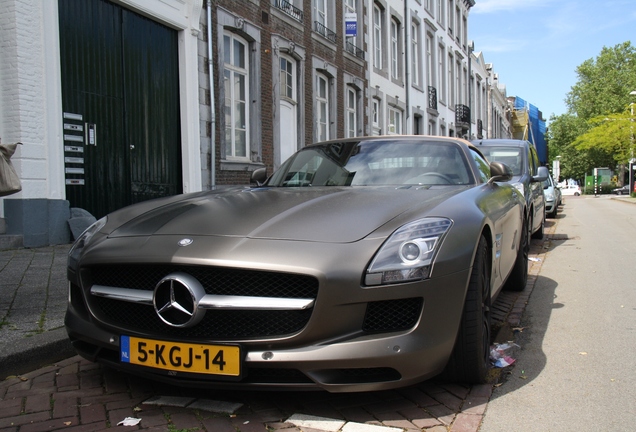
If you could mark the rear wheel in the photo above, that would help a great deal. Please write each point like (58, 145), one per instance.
(469, 362)
(519, 276)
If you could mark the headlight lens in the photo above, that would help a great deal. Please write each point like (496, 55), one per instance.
(549, 195)
(520, 187)
(76, 250)
(409, 252)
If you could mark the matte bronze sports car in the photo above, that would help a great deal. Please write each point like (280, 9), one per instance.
(361, 264)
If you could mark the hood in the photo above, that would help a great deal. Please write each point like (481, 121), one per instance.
(324, 214)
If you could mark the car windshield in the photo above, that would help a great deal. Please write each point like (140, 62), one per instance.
(375, 162)
(511, 156)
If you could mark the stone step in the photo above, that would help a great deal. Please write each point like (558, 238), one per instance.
(9, 241)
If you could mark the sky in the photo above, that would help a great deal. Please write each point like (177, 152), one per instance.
(536, 45)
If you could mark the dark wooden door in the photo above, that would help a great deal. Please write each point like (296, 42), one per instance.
(120, 97)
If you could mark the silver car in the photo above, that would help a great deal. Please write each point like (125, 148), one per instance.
(361, 264)
(552, 195)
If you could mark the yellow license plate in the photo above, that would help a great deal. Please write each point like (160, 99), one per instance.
(183, 357)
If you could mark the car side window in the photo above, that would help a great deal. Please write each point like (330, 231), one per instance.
(483, 169)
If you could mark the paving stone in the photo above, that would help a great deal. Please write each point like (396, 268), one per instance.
(320, 423)
(215, 406)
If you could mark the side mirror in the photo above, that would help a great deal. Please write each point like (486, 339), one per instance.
(499, 171)
(542, 174)
(259, 176)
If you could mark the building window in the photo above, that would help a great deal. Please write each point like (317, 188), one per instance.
(395, 121)
(450, 17)
(441, 73)
(431, 128)
(351, 115)
(429, 6)
(236, 79)
(459, 94)
(415, 55)
(324, 18)
(375, 117)
(377, 37)
(430, 66)
(395, 50)
(451, 81)
(322, 107)
(287, 79)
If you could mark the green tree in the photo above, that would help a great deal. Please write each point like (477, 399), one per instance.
(610, 133)
(604, 84)
(595, 131)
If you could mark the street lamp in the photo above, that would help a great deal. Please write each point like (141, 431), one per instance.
(632, 161)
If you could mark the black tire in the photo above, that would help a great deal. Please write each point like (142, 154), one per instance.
(519, 275)
(470, 360)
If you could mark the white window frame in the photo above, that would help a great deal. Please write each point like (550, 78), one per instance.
(288, 80)
(377, 37)
(430, 59)
(351, 112)
(322, 108)
(395, 121)
(234, 70)
(415, 55)
(321, 14)
(395, 49)
(376, 115)
(441, 91)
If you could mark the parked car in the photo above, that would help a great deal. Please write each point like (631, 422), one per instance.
(623, 190)
(361, 264)
(571, 190)
(552, 194)
(521, 156)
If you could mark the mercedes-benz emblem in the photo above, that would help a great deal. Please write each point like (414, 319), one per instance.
(176, 300)
(185, 242)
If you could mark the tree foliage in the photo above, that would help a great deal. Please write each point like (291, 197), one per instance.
(604, 84)
(596, 130)
(612, 133)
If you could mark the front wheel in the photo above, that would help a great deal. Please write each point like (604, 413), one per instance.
(470, 360)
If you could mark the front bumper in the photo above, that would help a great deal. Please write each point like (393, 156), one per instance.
(354, 338)
(550, 206)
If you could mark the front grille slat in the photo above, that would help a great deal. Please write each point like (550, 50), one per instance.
(392, 315)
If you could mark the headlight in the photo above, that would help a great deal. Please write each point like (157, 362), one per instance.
(77, 248)
(409, 252)
(520, 187)
(549, 195)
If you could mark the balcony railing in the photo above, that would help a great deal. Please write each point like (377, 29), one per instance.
(289, 9)
(432, 97)
(351, 48)
(325, 32)
(462, 115)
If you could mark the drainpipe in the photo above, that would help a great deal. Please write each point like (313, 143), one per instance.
(212, 110)
(407, 67)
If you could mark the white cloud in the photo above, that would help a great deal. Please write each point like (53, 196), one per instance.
(491, 6)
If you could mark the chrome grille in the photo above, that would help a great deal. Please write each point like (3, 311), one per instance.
(217, 324)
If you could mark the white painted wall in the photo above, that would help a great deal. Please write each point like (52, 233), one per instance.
(30, 89)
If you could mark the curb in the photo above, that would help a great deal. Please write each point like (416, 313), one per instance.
(34, 352)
